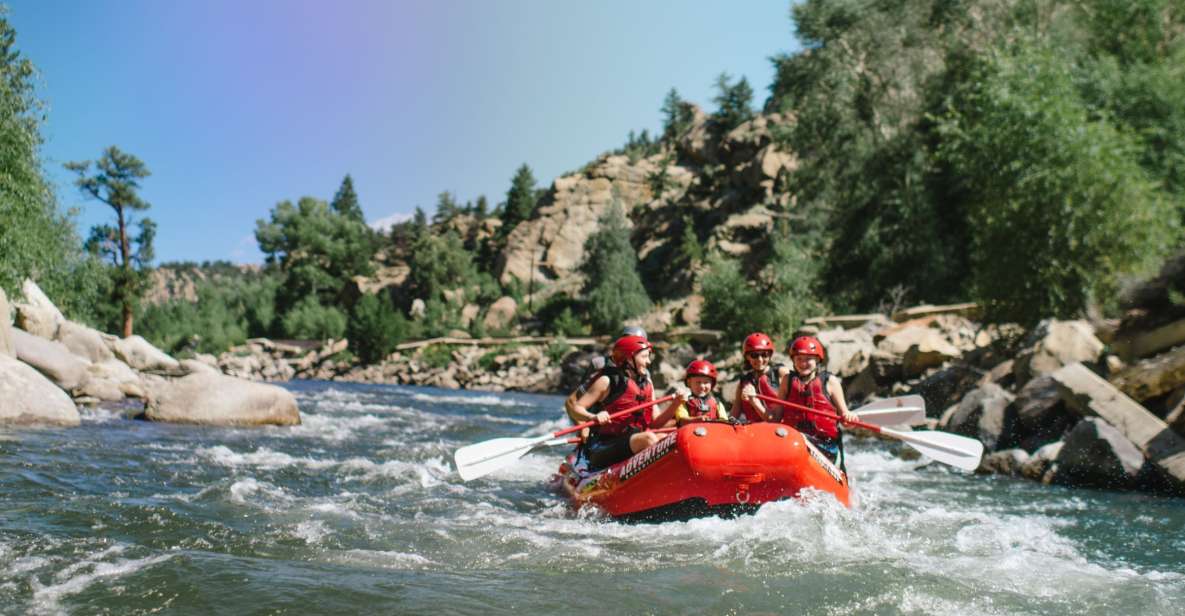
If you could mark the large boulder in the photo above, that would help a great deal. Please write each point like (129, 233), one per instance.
(27, 398)
(1097, 455)
(1090, 395)
(6, 347)
(983, 414)
(1153, 377)
(52, 359)
(918, 347)
(848, 350)
(141, 355)
(36, 314)
(1054, 344)
(500, 314)
(84, 341)
(213, 399)
(946, 386)
(111, 380)
(1041, 415)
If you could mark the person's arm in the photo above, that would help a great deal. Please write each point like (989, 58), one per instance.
(748, 393)
(835, 389)
(577, 406)
(660, 419)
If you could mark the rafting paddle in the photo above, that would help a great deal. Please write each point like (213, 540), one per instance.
(899, 411)
(482, 458)
(957, 451)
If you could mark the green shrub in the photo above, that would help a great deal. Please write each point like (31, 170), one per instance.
(557, 350)
(437, 355)
(1058, 203)
(375, 328)
(309, 320)
(613, 289)
(731, 304)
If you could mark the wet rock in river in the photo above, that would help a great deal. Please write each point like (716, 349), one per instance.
(214, 399)
(29, 399)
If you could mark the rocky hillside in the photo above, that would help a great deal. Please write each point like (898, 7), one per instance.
(725, 185)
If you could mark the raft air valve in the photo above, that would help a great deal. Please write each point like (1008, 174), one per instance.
(701, 431)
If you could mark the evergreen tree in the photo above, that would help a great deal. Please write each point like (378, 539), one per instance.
(691, 251)
(446, 208)
(677, 115)
(419, 221)
(115, 182)
(520, 200)
(318, 252)
(612, 287)
(345, 202)
(440, 263)
(734, 103)
(482, 209)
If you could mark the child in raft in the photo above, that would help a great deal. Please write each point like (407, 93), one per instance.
(760, 377)
(695, 401)
(810, 385)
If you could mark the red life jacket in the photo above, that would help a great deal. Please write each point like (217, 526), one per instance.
(763, 386)
(811, 394)
(624, 392)
(702, 407)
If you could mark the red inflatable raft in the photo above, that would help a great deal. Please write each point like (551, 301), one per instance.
(709, 468)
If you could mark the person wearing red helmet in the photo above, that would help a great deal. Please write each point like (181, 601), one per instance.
(614, 388)
(811, 385)
(759, 378)
(696, 400)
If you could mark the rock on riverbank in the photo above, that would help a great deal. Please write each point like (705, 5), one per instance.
(50, 365)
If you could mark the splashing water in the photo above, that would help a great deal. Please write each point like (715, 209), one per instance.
(359, 508)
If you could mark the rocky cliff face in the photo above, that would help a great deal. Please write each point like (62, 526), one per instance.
(726, 185)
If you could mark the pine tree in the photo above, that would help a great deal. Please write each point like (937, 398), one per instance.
(446, 208)
(733, 103)
(345, 202)
(613, 287)
(115, 182)
(520, 200)
(482, 209)
(677, 115)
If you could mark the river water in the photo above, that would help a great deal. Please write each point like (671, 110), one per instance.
(358, 511)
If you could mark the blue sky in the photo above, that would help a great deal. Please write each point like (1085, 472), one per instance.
(237, 105)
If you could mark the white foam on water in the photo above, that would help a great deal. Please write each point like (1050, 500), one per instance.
(95, 415)
(78, 576)
(261, 458)
(243, 490)
(311, 531)
(338, 428)
(480, 400)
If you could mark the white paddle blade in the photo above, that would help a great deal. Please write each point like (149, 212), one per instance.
(896, 416)
(483, 458)
(958, 451)
(898, 411)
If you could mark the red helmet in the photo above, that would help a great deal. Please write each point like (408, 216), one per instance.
(758, 342)
(807, 345)
(627, 347)
(700, 367)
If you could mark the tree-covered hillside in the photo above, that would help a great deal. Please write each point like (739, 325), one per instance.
(1028, 155)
